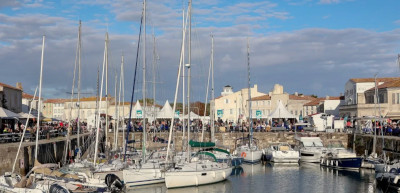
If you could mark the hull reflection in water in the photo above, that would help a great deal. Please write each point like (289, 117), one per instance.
(221, 187)
(276, 178)
(237, 171)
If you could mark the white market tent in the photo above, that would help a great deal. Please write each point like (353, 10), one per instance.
(281, 112)
(192, 116)
(137, 108)
(7, 114)
(166, 112)
(24, 115)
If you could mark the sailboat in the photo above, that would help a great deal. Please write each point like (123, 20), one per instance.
(148, 170)
(248, 148)
(11, 182)
(203, 168)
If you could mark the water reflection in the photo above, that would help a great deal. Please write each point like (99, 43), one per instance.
(281, 178)
(237, 171)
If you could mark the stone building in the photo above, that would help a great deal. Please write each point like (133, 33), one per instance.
(87, 107)
(10, 98)
(29, 101)
(328, 105)
(360, 98)
(232, 106)
(266, 104)
(54, 108)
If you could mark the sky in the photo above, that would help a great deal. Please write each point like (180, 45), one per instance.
(308, 46)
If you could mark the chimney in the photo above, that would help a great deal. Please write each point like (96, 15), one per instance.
(296, 93)
(19, 85)
(327, 97)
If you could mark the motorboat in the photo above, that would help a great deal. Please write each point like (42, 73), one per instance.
(281, 153)
(339, 157)
(311, 149)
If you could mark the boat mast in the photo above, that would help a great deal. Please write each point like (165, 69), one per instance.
(23, 133)
(106, 61)
(249, 93)
(154, 81)
(99, 106)
(180, 68)
(79, 85)
(208, 87)
(212, 91)
(116, 112)
(144, 83)
(118, 109)
(40, 101)
(183, 79)
(189, 74)
(119, 100)
(376, 97)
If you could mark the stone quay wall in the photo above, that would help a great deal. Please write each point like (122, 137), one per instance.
(227, 140)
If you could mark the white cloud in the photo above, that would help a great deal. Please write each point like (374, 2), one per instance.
(295, 59)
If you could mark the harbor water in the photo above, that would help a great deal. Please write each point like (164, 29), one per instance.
(282, 178)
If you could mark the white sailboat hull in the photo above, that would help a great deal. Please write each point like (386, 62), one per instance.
(177, 179)
(251, 156)
(143, 176)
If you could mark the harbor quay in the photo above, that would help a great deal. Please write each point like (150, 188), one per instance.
(52, 150)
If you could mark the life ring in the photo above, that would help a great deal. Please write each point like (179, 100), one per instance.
(243, 154)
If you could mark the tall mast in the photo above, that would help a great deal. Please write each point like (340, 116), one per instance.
(72, 104)
(144, 82)
(116, 112)
(40, 101)
(212, 91)
(123, 103)
(154, 80)
(119, 101)
(106, 61)
(23, 133)
(183, 79)
(189, 73)
(79, 84)
(99, 104)
(249, 92)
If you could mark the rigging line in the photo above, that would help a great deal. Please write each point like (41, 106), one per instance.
(133, 87)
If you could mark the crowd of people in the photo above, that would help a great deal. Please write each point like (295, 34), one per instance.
(47, 129)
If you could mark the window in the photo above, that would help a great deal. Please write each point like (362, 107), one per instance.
(226, 101)
(393, 98)
(382, 98)
(263, 102)
(231, 111)
(295, 112)
(269, 103)
(398, 98)
(291, 112)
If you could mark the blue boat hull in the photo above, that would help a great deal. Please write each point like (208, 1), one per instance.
(235, 162)
(342, 163)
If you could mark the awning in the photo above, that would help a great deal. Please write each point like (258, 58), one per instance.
(4, 113)
(393, 115)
